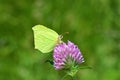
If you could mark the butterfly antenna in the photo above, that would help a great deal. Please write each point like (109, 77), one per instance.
(64, 33)
(61, 36)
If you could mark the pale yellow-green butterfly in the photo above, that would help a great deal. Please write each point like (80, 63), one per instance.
(45, 39)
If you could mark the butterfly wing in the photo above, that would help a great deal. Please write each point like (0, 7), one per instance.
(45, 39)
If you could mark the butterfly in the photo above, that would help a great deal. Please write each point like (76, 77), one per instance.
(45, 39)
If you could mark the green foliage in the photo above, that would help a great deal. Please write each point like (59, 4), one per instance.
(92, 24)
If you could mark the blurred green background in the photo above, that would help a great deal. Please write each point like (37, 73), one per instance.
(94, 25)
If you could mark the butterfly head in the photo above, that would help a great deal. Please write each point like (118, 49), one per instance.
(61, 36)
(60, 39)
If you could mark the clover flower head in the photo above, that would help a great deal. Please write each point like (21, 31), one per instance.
(67, 55)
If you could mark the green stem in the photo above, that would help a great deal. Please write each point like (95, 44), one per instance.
(64, 77)
(74, 78)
